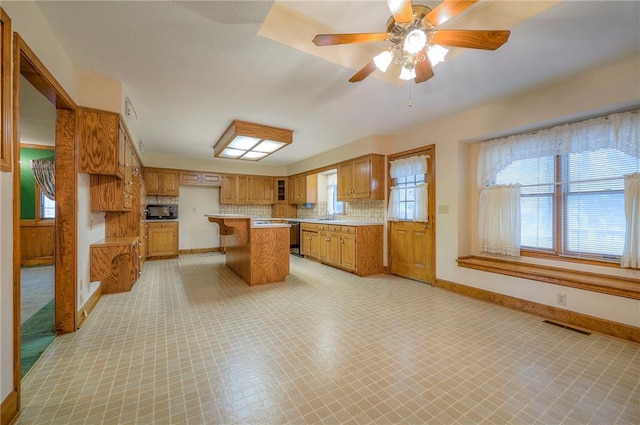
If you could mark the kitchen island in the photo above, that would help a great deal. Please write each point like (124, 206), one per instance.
(257, 251)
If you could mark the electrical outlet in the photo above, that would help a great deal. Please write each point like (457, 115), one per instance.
(443, 209)
(561, 299)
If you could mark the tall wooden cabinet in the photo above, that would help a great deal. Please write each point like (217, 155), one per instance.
(107, 154)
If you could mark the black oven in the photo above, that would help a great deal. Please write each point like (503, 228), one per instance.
(162, 212)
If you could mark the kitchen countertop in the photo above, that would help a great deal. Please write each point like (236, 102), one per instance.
(256, 223)
(323, 221)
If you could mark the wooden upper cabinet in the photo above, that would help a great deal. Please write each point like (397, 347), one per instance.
(200, 178)
(361, 178)
(234, 189)
(260, 189)
(303, 189)
(101, 142)
(280, 194)
(228, 189)
(162, 181)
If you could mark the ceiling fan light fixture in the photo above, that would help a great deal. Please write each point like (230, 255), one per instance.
(407, 74)
(383, 60)
(414, 41)
(436, 54)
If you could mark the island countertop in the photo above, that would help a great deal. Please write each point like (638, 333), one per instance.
(259, 223)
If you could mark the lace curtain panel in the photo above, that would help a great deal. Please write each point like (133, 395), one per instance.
(617, 131)
(44, 171)
(409, 167)
(499, 220)
(631, 252)
(406, 167)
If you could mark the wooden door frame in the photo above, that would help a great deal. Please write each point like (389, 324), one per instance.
(423, 150)
(27, 64)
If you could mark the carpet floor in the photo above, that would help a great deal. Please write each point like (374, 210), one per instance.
(36, 335)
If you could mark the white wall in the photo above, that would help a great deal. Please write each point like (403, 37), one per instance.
(91, 228)
(6, 285)
(195, 230)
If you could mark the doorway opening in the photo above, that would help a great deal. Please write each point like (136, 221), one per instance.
(37, 129)
(44, 218)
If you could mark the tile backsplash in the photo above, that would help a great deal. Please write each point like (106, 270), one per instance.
(372, 211)
(255, 211)
(162, 200)
(368, 211)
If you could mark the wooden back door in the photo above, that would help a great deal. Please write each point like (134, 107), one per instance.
(411, 243)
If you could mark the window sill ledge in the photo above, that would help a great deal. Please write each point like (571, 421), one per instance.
(606, 284)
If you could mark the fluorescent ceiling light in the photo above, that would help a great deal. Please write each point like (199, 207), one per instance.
(246, 140)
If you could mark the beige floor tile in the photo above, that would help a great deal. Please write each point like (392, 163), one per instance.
(193, 344)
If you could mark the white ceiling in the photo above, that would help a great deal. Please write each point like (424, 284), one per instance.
(190, 68)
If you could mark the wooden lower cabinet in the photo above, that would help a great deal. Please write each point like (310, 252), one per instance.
(356, 249)
(310, 243)
(162, 239)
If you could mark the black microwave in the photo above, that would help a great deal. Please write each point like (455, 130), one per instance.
(162, 212)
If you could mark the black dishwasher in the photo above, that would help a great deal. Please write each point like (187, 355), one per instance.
(294, 238)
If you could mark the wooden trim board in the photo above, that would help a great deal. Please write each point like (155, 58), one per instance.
(88, 307)
(9, 409)
(571, 318)
(199, 250)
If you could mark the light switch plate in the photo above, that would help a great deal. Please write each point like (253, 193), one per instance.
(443, 209)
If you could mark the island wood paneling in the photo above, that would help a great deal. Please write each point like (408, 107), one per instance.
(269, 255)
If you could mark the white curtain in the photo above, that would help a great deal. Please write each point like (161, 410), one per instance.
(617, 131)
(393, 211)
(631, 252)
(407, 167)
(332, 185)
(499, 220)
(421, 206)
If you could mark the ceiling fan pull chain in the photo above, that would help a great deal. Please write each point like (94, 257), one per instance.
(410, 97)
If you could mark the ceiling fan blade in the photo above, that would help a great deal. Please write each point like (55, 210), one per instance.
(423, 68)
(363, 73)
(333, 39)
(447, 10)
(401, 10)
(474, 39)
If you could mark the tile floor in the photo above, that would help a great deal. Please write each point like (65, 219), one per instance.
(192, 344)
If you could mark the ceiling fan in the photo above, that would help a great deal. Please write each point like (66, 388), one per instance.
(416, 42)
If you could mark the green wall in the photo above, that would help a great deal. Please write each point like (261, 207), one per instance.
(28, 182)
